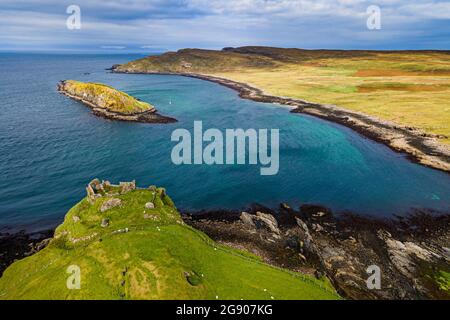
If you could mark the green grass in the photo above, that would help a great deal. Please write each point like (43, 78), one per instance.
(106, 97)
(163, 259)
(442, 278)
(436, 278)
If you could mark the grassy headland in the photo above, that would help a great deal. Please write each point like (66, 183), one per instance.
(132, 244)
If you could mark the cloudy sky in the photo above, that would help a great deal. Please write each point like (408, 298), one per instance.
(159, 25)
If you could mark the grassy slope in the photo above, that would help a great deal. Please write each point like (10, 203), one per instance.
(410, 88)
(156, 254)
(107, 97)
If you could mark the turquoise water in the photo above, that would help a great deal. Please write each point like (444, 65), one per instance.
(51, 146)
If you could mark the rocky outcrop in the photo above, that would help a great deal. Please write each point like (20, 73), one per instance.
(96, 189)
(105, 223)
(19, 245)
(110, 203)
(149, 205)
(247, 219)
(410, 252)
(268, 221)
(126, 187)
(110, 103)
(260, 220)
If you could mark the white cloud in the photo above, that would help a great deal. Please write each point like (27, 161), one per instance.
(429, 10)
(215, 23)
(113, 47)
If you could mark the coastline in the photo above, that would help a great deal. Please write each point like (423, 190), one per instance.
(317, 233)
(410, 251)
(314, 241)
(420, 147)
(18, 245)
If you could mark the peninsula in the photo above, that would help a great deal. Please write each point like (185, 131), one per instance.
(110, 103)
(399, 98)
(122, 242)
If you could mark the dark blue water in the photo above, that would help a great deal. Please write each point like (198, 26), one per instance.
(51, 147)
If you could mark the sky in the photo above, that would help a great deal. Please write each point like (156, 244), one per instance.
(123, 26)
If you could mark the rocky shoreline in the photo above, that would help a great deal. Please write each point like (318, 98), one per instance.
(420, 147)
(151, 116)
(411, 252)
(16, 246)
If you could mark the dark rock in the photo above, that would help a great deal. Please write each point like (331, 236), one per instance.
(408, 251)
(247, 219)
(268, 221)
(105, 223)
(114, 67)
(19, 245)
(309, 211)
(260, 220)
